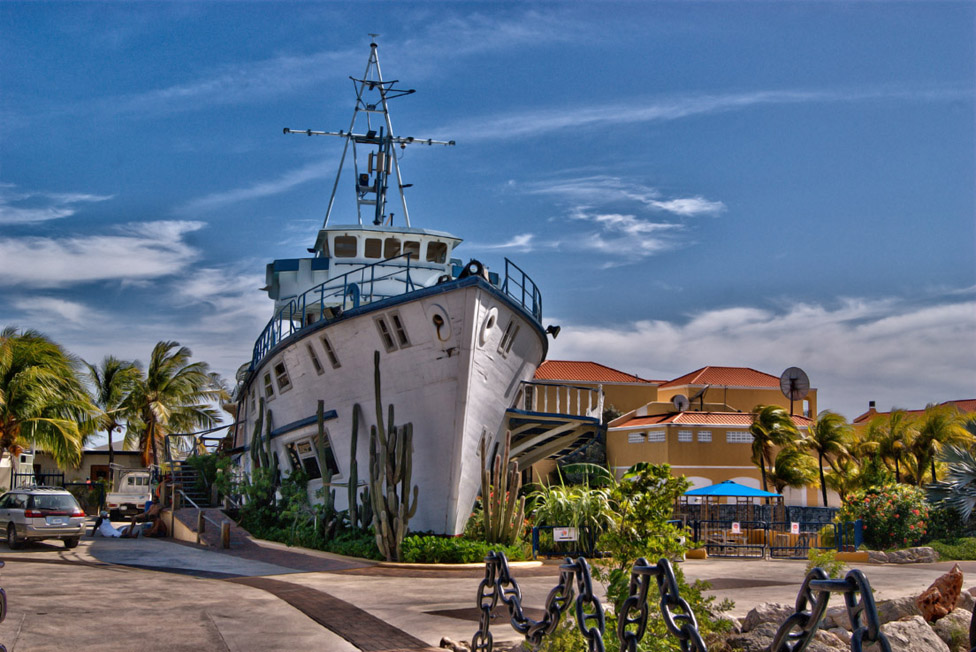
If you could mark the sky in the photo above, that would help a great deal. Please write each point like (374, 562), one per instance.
(740, 183)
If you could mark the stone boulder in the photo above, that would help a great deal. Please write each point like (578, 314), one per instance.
(966, 600)
(913, 635)
(767, 612)
(940, 599)
(897, 609)
(759, 639)
(953, 629)
(917, 555)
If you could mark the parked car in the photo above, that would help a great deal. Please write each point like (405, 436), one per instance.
(130, 495)
(36, 513)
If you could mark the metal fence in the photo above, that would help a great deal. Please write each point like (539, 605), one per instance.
(37, 479)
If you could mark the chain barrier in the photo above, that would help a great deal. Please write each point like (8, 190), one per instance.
(793, 635)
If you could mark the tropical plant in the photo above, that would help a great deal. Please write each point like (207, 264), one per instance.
(503, 509)
(892, 435)
(42, 398)
(827, 438)
(585, 508)
(173, 395)
(939, 426)
(792, 468)
(894, 516)
(772, 427)
(110, 384)
(958, 490)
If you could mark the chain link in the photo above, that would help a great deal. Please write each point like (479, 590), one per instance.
(793, 635)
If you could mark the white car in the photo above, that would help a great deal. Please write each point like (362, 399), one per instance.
(37, 513)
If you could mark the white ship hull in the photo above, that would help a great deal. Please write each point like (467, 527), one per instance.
(468, 349)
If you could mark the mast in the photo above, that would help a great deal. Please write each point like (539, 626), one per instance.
(372, 182)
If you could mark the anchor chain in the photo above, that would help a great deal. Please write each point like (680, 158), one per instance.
(793, 635)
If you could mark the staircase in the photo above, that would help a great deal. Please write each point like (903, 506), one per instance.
(549, 420)
(185, 478)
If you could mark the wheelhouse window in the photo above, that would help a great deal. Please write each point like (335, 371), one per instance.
(436, 252)
(412, 247)
(268, 387)
(345, 246)
(303, 455)
(374, 247)
(391, 248)
(281, 375)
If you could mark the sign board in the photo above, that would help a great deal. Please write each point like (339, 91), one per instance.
(794, 528)
(736, 527)
(564, 534)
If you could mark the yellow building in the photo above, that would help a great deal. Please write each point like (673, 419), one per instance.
(622, 391)
(965, 406)
(740, 388)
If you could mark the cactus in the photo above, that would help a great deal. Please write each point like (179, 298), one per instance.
(352, 485)
(390, 470)
(330, 519)
(256, 438)
(499, 495)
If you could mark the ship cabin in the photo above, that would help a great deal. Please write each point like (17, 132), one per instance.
(358, 264)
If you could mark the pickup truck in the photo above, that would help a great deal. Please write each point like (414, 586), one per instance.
(132, 492)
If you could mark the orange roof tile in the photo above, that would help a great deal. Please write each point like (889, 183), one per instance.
(737, 419)
(592, 372)
(965, 406)
(725, 376)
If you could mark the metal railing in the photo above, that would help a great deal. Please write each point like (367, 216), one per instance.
(522, 289)
(570, 400)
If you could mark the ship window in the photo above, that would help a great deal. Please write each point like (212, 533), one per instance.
(281, 375)
(412, 248)
(436, 252)
(400, 331)
(330, 352)
(374, 247)
(268, 387)
(302, 455)
(345, 246)
(391, 248)
(511, 331)
(315, 360)
(385, 334)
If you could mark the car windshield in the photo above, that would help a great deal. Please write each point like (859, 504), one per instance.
(54, 502)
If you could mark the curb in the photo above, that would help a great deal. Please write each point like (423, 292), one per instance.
(467, 566)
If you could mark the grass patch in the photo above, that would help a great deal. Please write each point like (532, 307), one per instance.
(960, 549)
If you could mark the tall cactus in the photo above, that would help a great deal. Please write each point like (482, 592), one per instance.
(352, 485)
(390, 470)
(330, 519)
(256, 437)
(499, 495)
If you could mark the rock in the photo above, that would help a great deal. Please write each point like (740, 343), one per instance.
(877, 557)
(892, 610)
(454, 646)
(836, 618)
(918, 555)
(842, 634)
(759, 639)
(966, 600)
(940, 598)
(953, 629)
(767, 612)
(913, 635)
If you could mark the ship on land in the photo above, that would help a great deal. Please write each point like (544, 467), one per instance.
(458, 343)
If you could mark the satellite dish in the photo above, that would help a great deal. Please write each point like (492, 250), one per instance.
(681, 402)
(794, 384)
(700, 394)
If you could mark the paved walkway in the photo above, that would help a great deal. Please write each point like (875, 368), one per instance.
(120, 594)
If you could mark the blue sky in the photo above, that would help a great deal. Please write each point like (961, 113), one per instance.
(764, 185)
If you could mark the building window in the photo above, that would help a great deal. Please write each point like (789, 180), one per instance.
(268, 387)
(303, 456)
(508, 339)
(684, 435)
(635, 438)
(436, 252)
(330, 352)
(400, 331)
(704, 436)
(345, 246)
(385, 334)
(738, 437)
(391, 248)
(656, 436)
(281, 375)
(374, 247)
(315, 359)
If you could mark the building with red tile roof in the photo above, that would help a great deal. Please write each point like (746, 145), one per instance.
(966, 406)
(622, 391)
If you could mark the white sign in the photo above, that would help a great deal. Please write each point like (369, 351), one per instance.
(564, 534)
(736, 527)
(794, 528)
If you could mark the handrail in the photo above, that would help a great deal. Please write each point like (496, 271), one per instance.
(535, 397)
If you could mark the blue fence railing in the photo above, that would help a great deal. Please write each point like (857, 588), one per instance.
(359, 287)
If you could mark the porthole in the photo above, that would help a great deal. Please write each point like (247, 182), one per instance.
(489, 323)
(441, 322)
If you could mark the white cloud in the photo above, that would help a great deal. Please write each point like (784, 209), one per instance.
(226, 299)
(50, 309)
(891, 351)
(523, 243)
(27, 207)
(605, 189)
(280, 184)
(137, 251)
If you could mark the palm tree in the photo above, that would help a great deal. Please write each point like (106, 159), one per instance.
(42, 399)
(111, 384)
(793, 468)
(893, 435)
(772, 427)
(939, 426)
(958, 490)
(174, 394)
(827, 436)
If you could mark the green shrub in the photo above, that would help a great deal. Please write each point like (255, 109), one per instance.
(827, 560)
(957, 550)
(894, 516)
(946, 524)
(426, 549)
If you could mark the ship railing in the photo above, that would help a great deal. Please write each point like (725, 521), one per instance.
(522, 289)
(350, 290)
(569, 400)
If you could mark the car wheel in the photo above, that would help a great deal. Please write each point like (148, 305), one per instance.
(12, 541)
(71, 542)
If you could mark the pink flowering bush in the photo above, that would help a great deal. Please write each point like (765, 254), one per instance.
(895, 516)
